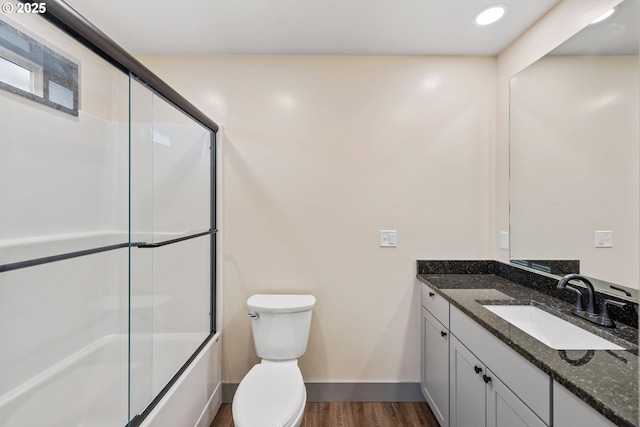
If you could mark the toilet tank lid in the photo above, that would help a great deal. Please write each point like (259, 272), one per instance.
(278, 303)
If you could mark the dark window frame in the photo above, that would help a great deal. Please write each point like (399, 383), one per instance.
(53, 67)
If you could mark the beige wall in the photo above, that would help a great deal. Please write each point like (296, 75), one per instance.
(320, 154)
(323, 152)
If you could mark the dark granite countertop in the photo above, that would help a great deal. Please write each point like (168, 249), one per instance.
(607, 380)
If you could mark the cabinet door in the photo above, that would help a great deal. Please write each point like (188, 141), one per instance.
(505, 409)
(467, 393)
(435, 366)
(569, 410)
(528, 382)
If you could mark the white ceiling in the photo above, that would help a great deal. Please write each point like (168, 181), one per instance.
(617, 35)
(309, 27)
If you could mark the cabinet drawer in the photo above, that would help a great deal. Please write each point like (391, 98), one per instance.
(435, 304)
(529, 383)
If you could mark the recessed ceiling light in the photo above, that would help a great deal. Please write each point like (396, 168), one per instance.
(490, 15)
(604, 16)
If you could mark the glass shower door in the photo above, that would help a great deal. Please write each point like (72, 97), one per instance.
(63, 232)
(106, 240)
(171, 212)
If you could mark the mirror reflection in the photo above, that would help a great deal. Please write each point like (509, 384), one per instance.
(575, 155)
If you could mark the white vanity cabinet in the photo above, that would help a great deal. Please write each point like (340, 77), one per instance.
(528, 389)
(570, 411)
(434, 353)
(472, 378)
(478, 397)
(469, 377)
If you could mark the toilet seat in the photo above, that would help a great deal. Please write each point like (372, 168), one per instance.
(271, 394)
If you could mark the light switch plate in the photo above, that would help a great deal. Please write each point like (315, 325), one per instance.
(388, 238)
(504, 240)
(604, 239)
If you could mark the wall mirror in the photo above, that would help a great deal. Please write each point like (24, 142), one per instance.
(575, 155)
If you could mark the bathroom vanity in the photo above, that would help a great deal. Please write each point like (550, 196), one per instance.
(478, 368)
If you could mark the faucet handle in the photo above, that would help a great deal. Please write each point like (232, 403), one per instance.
(579, 306)
(605, 319)
(627, 293)
(618, 304)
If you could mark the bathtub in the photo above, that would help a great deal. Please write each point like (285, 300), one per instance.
(100, 371)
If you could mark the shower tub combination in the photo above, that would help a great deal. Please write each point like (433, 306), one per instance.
(99, 371)
(108, 238)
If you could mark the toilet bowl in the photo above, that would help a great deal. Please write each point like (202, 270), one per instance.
(272, 393)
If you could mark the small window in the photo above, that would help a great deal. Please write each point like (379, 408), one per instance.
(16, 75)
(35, 71)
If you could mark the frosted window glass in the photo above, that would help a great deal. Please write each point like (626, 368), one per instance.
(14, 39)
(60, 95)
(16, 76)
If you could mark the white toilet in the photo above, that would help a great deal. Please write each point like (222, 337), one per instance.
(272, 394)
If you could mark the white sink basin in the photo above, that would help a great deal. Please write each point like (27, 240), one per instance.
(551, 330)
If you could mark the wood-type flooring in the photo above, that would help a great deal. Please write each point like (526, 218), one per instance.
(353, 414)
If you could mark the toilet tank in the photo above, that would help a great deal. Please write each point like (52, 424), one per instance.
(281, 327)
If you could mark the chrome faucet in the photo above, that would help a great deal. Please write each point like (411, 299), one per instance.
(590, 314)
